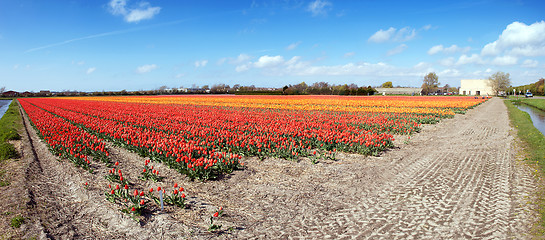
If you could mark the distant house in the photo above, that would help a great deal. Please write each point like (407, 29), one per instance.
(475, 87)
(399, 91)
(10, 94)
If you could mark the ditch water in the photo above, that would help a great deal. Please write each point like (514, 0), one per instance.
(537, 116)
(4, 105)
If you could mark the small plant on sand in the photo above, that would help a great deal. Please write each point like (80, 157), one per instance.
(148, 173)
(214, 227)
(133, 203)
(17, 221)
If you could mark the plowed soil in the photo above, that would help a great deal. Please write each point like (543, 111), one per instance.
(456, 179)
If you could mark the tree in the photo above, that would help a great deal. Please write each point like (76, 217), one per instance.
(387, 85)
(431, 81)
(499, 82)
(2, 90)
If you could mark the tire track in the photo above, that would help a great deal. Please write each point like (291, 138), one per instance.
(459, 180)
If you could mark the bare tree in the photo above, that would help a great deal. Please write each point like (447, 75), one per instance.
(431, 81)
(2, 90)
(499, 82)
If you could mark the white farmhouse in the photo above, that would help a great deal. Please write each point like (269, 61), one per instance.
(475, 87)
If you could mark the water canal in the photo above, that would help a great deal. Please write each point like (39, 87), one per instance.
(537, 116)
(4, 105)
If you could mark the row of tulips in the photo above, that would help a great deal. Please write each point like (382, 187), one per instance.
(444, 106)
(66, 140)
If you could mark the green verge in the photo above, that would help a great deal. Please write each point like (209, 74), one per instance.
(9, 124)
(534, 150)
(537, 103)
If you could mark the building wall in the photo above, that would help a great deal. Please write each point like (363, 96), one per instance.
(408, 91)
(475, 87)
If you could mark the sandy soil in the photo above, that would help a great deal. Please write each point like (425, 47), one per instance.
(457, 179)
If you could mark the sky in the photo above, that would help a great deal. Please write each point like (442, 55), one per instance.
(114, 45)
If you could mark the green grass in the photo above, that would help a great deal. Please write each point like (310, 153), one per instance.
(9, 124)
(4, 178)
(534, 151)
(17, 221)
(537, 103)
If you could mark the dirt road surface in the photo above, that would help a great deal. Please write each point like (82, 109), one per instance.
(454, 180)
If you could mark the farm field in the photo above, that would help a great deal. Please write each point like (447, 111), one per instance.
(273, 166)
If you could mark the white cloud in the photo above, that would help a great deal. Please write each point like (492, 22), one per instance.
(447, 61)
(295, 66)
(504, 60)
(473, 59)
(448, 50)
(397, 50)
(392, 34)
(422, 65)
(435, 49)
(180, 75)
(349, 54)
(529, 63)
(201, 63)
(319, 7)
(450, 72)
(382, 35)
(146, 68)
(519, 39)
(427, 27)
(91, 70)
(268, 61)
(241, 58)
(293, 46)
(137, 13)
(242, 68)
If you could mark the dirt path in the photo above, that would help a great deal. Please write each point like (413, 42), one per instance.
(457, 179)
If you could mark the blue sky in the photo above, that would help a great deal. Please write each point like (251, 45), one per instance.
(133, 45)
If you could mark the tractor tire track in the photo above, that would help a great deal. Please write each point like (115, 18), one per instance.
(458, 179)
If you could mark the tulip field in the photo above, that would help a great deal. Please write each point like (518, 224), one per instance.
(206, 136)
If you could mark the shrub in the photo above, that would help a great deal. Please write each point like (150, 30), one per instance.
(7, 151)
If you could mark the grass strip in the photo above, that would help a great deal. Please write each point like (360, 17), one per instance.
(537, 103)
(9, 123)
(534, 149)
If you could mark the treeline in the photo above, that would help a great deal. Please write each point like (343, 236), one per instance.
(318, 88)
(536, 88)
(324, 88)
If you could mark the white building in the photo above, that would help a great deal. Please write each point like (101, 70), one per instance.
(475, 87)
(399, 91)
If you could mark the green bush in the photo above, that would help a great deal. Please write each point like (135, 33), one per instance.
(9, 134)
(7, 151)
